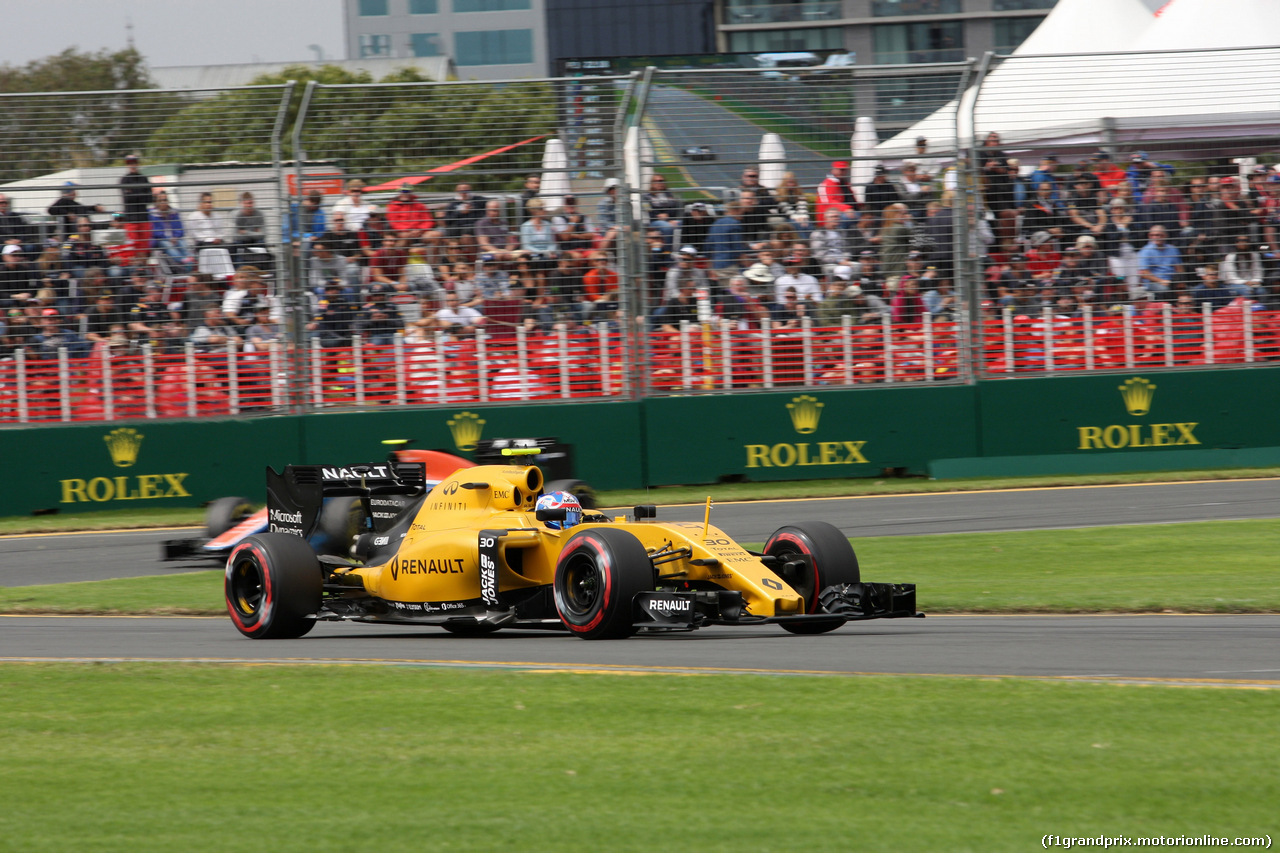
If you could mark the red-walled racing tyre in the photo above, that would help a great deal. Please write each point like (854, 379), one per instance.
(273, 585)
(831, 561)
(597, 576)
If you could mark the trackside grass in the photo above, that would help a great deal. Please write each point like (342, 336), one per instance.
(1219, 566)
(143, 757)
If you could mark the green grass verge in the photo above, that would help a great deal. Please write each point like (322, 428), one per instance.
(1217, 567)
(132, 518)
(172, 757)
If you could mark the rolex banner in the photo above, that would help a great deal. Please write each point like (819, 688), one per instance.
(806, 434)
(1137, 412)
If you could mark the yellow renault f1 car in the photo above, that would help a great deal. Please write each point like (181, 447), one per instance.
(474, 554)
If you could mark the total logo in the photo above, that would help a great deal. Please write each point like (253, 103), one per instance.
(1137, 394)
(805, 412)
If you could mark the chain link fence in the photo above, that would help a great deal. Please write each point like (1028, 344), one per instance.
(700, 231)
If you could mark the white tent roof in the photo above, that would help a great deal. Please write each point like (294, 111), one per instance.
(1199, 24)
(1088, 26)
(1051, 101)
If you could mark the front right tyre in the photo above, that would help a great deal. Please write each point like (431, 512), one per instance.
(597, 577)
(829, 560)
(273, 586)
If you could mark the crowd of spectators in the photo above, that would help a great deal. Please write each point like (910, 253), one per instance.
(1053, 235)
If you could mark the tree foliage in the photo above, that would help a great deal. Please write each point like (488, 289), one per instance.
(77, 109)
(378, 132)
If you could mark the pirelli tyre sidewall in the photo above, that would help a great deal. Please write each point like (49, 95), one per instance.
(598, 575)
(273, 584)
(831, 561)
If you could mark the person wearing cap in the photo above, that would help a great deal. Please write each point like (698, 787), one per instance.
(103, 322)
(835, 192)
(149, 320)
(1109, 175)
(67, 211)
(135, 192)
(17, 276)
(379, 321)
(695, 226)
(684, 270)
(333, 323)
(881, 192)
(407, 216)
(491, 281)
(354, 206)
(52, 336)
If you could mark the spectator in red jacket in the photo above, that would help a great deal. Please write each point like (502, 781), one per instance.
(835, 193)
(407, 216)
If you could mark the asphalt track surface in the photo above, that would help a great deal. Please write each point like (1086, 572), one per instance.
(26, 560)
(1202, 650)
(1226, 651)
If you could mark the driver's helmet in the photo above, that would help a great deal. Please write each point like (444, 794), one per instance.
(555, 500)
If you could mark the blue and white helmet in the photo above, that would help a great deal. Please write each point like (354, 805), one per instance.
(556, 500)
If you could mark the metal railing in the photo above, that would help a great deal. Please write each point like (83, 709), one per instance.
(1041, 282)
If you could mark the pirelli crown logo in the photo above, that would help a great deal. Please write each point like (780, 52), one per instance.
(123, 444)
(1138, 395)
(466, 428)
(805, 412)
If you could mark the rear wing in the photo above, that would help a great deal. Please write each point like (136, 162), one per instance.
(295, 495)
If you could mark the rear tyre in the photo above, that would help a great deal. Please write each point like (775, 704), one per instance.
(580, 490)
(340, 521)
(597, 577)
(225, 513)
(831, 561)
(273, 584)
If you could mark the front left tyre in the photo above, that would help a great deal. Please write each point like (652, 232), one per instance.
(273, 586)
(597, 576)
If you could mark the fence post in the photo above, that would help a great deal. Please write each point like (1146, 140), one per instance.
(20, 361)
(886, 334)
(1166, 322)
(189, 356)
(806, 349)
(726, 355)
(846, 347)
(482, 363)
(1047, 315)
(233, 375)
(1206, 312)
(357, 366)
(1008, 340)
(1247, 309)
(928, 347)
(766, 339)
(398, 355)
(1126, 323)
(1088, 337)
(64, 385)
(317, 375)
(108, 387)
(149, 378)
(273, 366)
(602, 336)
(562, 347)
(686, 358)
(442, 376)
(522, 361)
